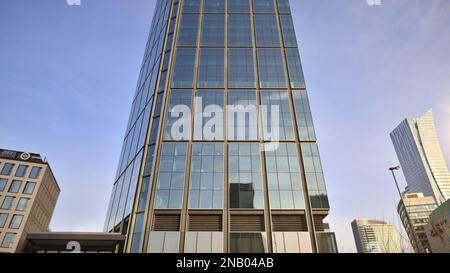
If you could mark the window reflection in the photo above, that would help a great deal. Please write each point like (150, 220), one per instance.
(283, 125)
(303, 116)
(213, 30)
(314, 175)
(240, 30)
(288, 31)
(242, 115)
(241, 68)
(238, 6)
(295, 68)
(247, 243)
(245, 176)
(284, 179)
(266, 27)
(271, 68)
(170, 184)
(188, 30)
(211, 71)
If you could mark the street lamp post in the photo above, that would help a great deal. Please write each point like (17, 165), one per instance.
(392, 170)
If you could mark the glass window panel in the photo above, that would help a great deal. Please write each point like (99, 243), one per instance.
(3, 218)
(295, 68)
(35, 172)
(8, 240)
(211, 71)
(277, 118)
(203, 194)
(7, 169)
(245, 188)
(303, 116)
(271, 68)
(289, 36)
(16, 222)
(284, 179)
(15, 186)
(240, 30)
(188, 30)
(238, 6)
(7, 202)
(170, 182)
(242, 115)
(241, 68)
(263, 6)
(214, 6)
(22, 204)
(266, 27)
(284, 7)
(138, 227)
(213, 30)
(21, 170)
(209, 117)
(313, 171)
(179, 115)
(191, 6)
(3, 184)
(183, 74)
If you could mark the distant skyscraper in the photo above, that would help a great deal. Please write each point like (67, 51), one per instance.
(418, 208)
(373, 236)
(28, 195)
(194, 179)
(423, 164)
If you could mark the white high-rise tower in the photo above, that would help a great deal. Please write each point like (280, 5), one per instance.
(419, 152)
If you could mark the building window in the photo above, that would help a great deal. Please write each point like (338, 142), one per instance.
(248, 242)
(211, 71)
(21, 170)
(271, 68)
(191, 6)
(35, 172)
(188, 30)
(16, 221)
(266, 27)
(277, 104)
(284, 179)
(241, 68)
(295, 68)
(238, 6)
(214, 6)
(7, 169)
(170, 184)
(242, 115)
(206, 186)
(3, 218)
(179, 115)
(284, 7)
(245, 177)
(288, 31)
(22, 204)
(138, 227)
(7, 202)
(8, 240)
(303, 116)
(314, 176)
(264, 6)
(213, 30)
(15, 186)
(183, 72)
(240, 30)
(209, 117)
(3, 184)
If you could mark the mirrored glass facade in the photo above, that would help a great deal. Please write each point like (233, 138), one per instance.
(200, 170)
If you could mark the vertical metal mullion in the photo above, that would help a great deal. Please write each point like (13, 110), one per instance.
(184, 211)
(267, 211)
(308, 209)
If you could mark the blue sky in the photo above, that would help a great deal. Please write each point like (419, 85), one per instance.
(67, 75)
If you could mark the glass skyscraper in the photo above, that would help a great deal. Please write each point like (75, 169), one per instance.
(194, 179)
